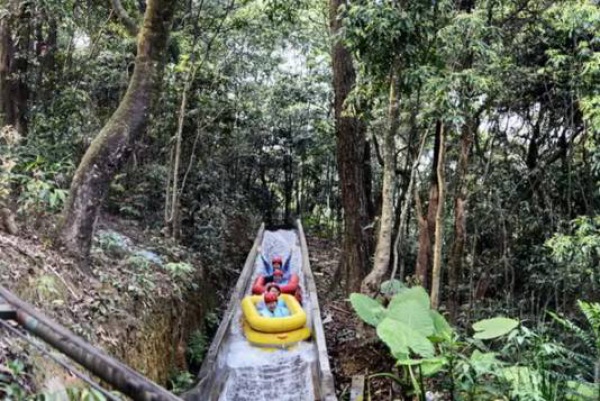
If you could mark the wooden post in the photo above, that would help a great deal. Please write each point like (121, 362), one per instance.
(357, 391)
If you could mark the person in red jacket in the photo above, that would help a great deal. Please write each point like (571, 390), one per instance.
(276, 263)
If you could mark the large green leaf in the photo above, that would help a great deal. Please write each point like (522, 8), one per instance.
(401, 338)
(368, 309)
(391, 287)
(414, 293)
(493, 328)
(429, 366)
(484, 363)
(414, 314)
(442, 329)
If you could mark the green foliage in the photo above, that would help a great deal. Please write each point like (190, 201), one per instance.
(179, 270)
(138, 262)
(47, 288)
(181, 382)
(587, 353)
(112, 242)
(424, 344)
(39, 193)
(40, 197)
(13, 379)
(197, 346)
(9, 140)
(579, 249)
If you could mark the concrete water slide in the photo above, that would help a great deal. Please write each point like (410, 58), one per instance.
(234, 370)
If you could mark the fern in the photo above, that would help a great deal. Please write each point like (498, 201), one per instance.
(590, 357)
(592, 314)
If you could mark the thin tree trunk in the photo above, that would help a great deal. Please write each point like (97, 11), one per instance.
(427, 225)
(350, 135)
(439, 226)
(405, 207)
(111, 148)
(372, 282)
(174, 221)
(460, 236)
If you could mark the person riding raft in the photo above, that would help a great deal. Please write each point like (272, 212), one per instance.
(277, 264)
(275, 289)
(279, 273)
(271, 306)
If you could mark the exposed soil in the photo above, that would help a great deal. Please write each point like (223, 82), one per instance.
(349, 355)
(136, 306)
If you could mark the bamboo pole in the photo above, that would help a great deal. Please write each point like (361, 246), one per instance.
(122, 377)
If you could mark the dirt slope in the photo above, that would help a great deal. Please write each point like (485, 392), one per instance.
(348, 354)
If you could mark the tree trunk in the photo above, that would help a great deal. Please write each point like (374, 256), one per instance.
(368, 179)
(174, 219)
(427, 225)
(372, 282)
(6, 56)
(460, 200)
(436, 273)
(110, 149)
(350, 134)
(402, 220)
(14, 92)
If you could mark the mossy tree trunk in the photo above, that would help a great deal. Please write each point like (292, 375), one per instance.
(111, 148)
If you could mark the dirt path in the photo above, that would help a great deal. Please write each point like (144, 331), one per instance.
(348, 355)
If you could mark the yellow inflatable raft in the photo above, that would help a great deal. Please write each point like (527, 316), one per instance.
(275, 331)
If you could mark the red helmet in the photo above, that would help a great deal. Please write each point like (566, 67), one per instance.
(278, 272)
(276, 259)
(270, 297)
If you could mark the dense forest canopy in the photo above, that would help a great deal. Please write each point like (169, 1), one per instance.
(449, 144)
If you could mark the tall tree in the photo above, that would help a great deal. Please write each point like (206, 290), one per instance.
(460, 230)
(111, 148)
(436, 273)
(371, 283)
(455, 258)
(15, 40)
(350, 134)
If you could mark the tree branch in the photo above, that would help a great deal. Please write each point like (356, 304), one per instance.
(130, 23)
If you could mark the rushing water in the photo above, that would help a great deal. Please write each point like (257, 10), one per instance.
(260, 374)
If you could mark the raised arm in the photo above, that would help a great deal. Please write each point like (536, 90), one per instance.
(268, 267)
(286, 265)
